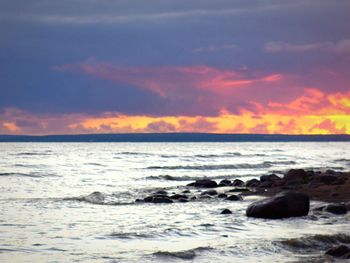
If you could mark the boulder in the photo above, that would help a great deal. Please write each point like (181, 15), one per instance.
(338, 209)
(296, 176)
(234, 198)
(225, 182)
(340, 251)
(162, 200)
(269, 178)
(282, 205)
(222, 195)
(237, 182)
(226, 212)
(183, 200)
(252, 183)
(161, 192)
(204, 183)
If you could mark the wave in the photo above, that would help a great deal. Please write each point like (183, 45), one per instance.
(222, 166)
(99, 198)
(185, 254)
(23, 174)
(32, 153)
(315, 242)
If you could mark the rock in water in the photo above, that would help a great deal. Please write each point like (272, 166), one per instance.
(282, 205)
(204, 183)
(339, 252)
(226, 212)
(337, 209)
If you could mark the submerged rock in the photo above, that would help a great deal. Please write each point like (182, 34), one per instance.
(226, 212)
(340, 251)
(222, 195)
(178, 196)
(282, 205)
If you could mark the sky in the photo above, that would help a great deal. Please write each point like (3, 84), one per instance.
(223, 66)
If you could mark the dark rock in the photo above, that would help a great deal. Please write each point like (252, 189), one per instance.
(148, 199)
(222, 195)
(186, 191)
(340, 251)
(161, 192)
(209, 192)
(183, 200)
(347, 205)
(162, 200)
(252, 183)
(328, 179)
(178, 196)
(282, 205)
(191, 184)
(225, 182)
(296, 176)
(237, 182)
(193, 198)
(205, 183)
(234, 198)
(139, 200)
(226, 212)
(338, 209)
(238, 190)
(269, 178)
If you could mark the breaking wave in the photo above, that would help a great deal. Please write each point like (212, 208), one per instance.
(184, 255)
(222, 166)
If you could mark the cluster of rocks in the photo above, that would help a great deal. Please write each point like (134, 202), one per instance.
(289, 196)
(341, 252)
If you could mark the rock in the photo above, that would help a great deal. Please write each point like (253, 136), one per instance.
(269, 178)
(209, 192)
(204, 183)
(226, 212)
(233, 198)
(328, 179)
(340, 251)
(282, 205)
(225, 182)
(148, 199)
(162, 200)
(222, 195)
(161, 192)
(186, 191)
(347, 204)
(337, 209)
(237, 182)
(296, 176)
(183, 200)
(178, 196)
(205, 197)
(139, 200)
(238, 190)
(252, 183)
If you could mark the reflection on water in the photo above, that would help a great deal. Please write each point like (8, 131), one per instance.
(75, 202)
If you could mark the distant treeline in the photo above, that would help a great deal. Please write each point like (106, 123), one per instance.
(174, 137)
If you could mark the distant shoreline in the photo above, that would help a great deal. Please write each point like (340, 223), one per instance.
(175, 137)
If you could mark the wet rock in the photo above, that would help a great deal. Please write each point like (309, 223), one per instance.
(234, 198)
(252, 183)
(337, 209)
(186, 191)
(238, 190)
(225, 182)
(193, 198)
(328, 179)
(162, 200)
(204, 183)
(237, 182)
(347, 205)
(296, 176)
(222, 195)
(282, 205)
(161, 192)
(183, 200)
(178, 196)
(139, 200)
(148, 199)
(226, 212)
(209, 192)
(270, 178)
(340, 251)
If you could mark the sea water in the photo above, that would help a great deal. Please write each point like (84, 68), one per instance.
(49, 215)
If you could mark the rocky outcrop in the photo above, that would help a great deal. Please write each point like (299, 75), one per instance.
(282, 205)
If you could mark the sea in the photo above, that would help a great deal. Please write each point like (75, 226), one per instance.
(75, 202)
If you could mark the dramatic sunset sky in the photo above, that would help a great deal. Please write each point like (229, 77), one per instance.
(223, 66)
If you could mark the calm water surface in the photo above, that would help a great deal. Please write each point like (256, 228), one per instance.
(44, 218)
